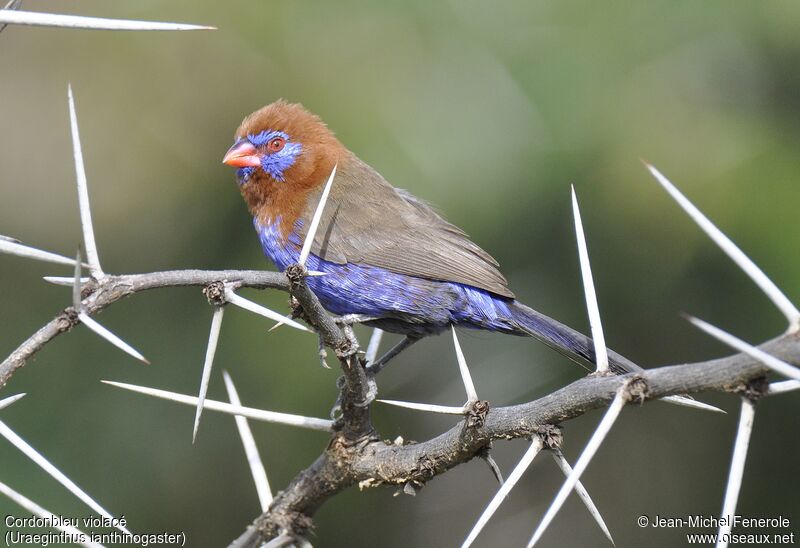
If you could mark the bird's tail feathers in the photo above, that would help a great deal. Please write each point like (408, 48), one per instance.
(564, 340)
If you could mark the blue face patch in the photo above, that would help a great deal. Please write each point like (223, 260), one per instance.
(273, 163)
(243, 174)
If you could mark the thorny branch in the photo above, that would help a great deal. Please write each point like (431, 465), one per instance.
(380, 462)
(355, 454)
(96, 295)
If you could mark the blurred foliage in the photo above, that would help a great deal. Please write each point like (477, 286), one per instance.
(490, 111)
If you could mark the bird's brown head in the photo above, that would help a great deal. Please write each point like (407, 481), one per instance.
(283, 152)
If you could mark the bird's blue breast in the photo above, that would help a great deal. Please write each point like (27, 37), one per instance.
(418, 304)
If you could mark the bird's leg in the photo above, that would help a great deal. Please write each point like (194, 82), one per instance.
(376, 367)
(373, 369)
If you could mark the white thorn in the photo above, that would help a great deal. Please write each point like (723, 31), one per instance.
(21, 250)
(211, 350)
(83, 192)
(76, 283)
(743, 261)
(505, 489)
(5, 402)
(599, 340)
(588, 453)
(110, 337)
(256, 414)
(312, 228)
(96, 23)
(241, 302)
(441, 409)
(54, 472)
(472, 395)
(737, 470)
(280, 323)
(770, 361)
(60, 524)
(558, 456)
(693, 404)
(784, 386)
(250, 449)
(373, 346)
(63, 280)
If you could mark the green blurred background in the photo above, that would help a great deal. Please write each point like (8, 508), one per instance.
(489, 110)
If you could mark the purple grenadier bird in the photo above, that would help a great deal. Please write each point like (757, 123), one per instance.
(389, 258)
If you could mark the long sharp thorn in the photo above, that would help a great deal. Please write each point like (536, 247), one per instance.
(110, 337)
(241, 302)
(469, 386)
(96, 23)
(737, 470)
(76, 283)
(784, 386)
(312, 228)
(505, 489)
(21, 250)
(600, 350)
(373, 346)
(280, 323)
(5, 402)
(310, 423)
(743, 261)
(58, 523)
(693, 404)
(770, 361)
(211, 350)
(441, 409)
(54, 472)
(558, 456)
(11, 5)
(64, 280)
(251, 451)
(588, 453)
(83, 192)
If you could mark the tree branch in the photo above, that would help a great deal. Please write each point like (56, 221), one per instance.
(375, 463)
(97, 295)
(355, 454)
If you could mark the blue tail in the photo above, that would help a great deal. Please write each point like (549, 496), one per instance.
(565, 340)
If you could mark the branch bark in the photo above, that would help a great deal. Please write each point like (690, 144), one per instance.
(377, 462)
(98, 295)
(355, 454)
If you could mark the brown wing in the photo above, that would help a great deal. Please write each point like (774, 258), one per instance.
(368, 221)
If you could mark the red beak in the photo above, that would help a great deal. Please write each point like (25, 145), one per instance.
(242, 154)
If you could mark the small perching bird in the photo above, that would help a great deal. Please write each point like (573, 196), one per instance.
(388, 257)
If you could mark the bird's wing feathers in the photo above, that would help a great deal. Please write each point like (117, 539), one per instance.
(401, 233)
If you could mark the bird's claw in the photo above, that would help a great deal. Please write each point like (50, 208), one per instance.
(372, 392)
(353, 319)
(323, 353)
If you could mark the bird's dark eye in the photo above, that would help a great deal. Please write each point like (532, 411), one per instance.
(276, 144)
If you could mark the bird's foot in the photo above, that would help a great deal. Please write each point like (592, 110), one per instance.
(353, 319)
(369, 396)
(372, 392)
(323, 353)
